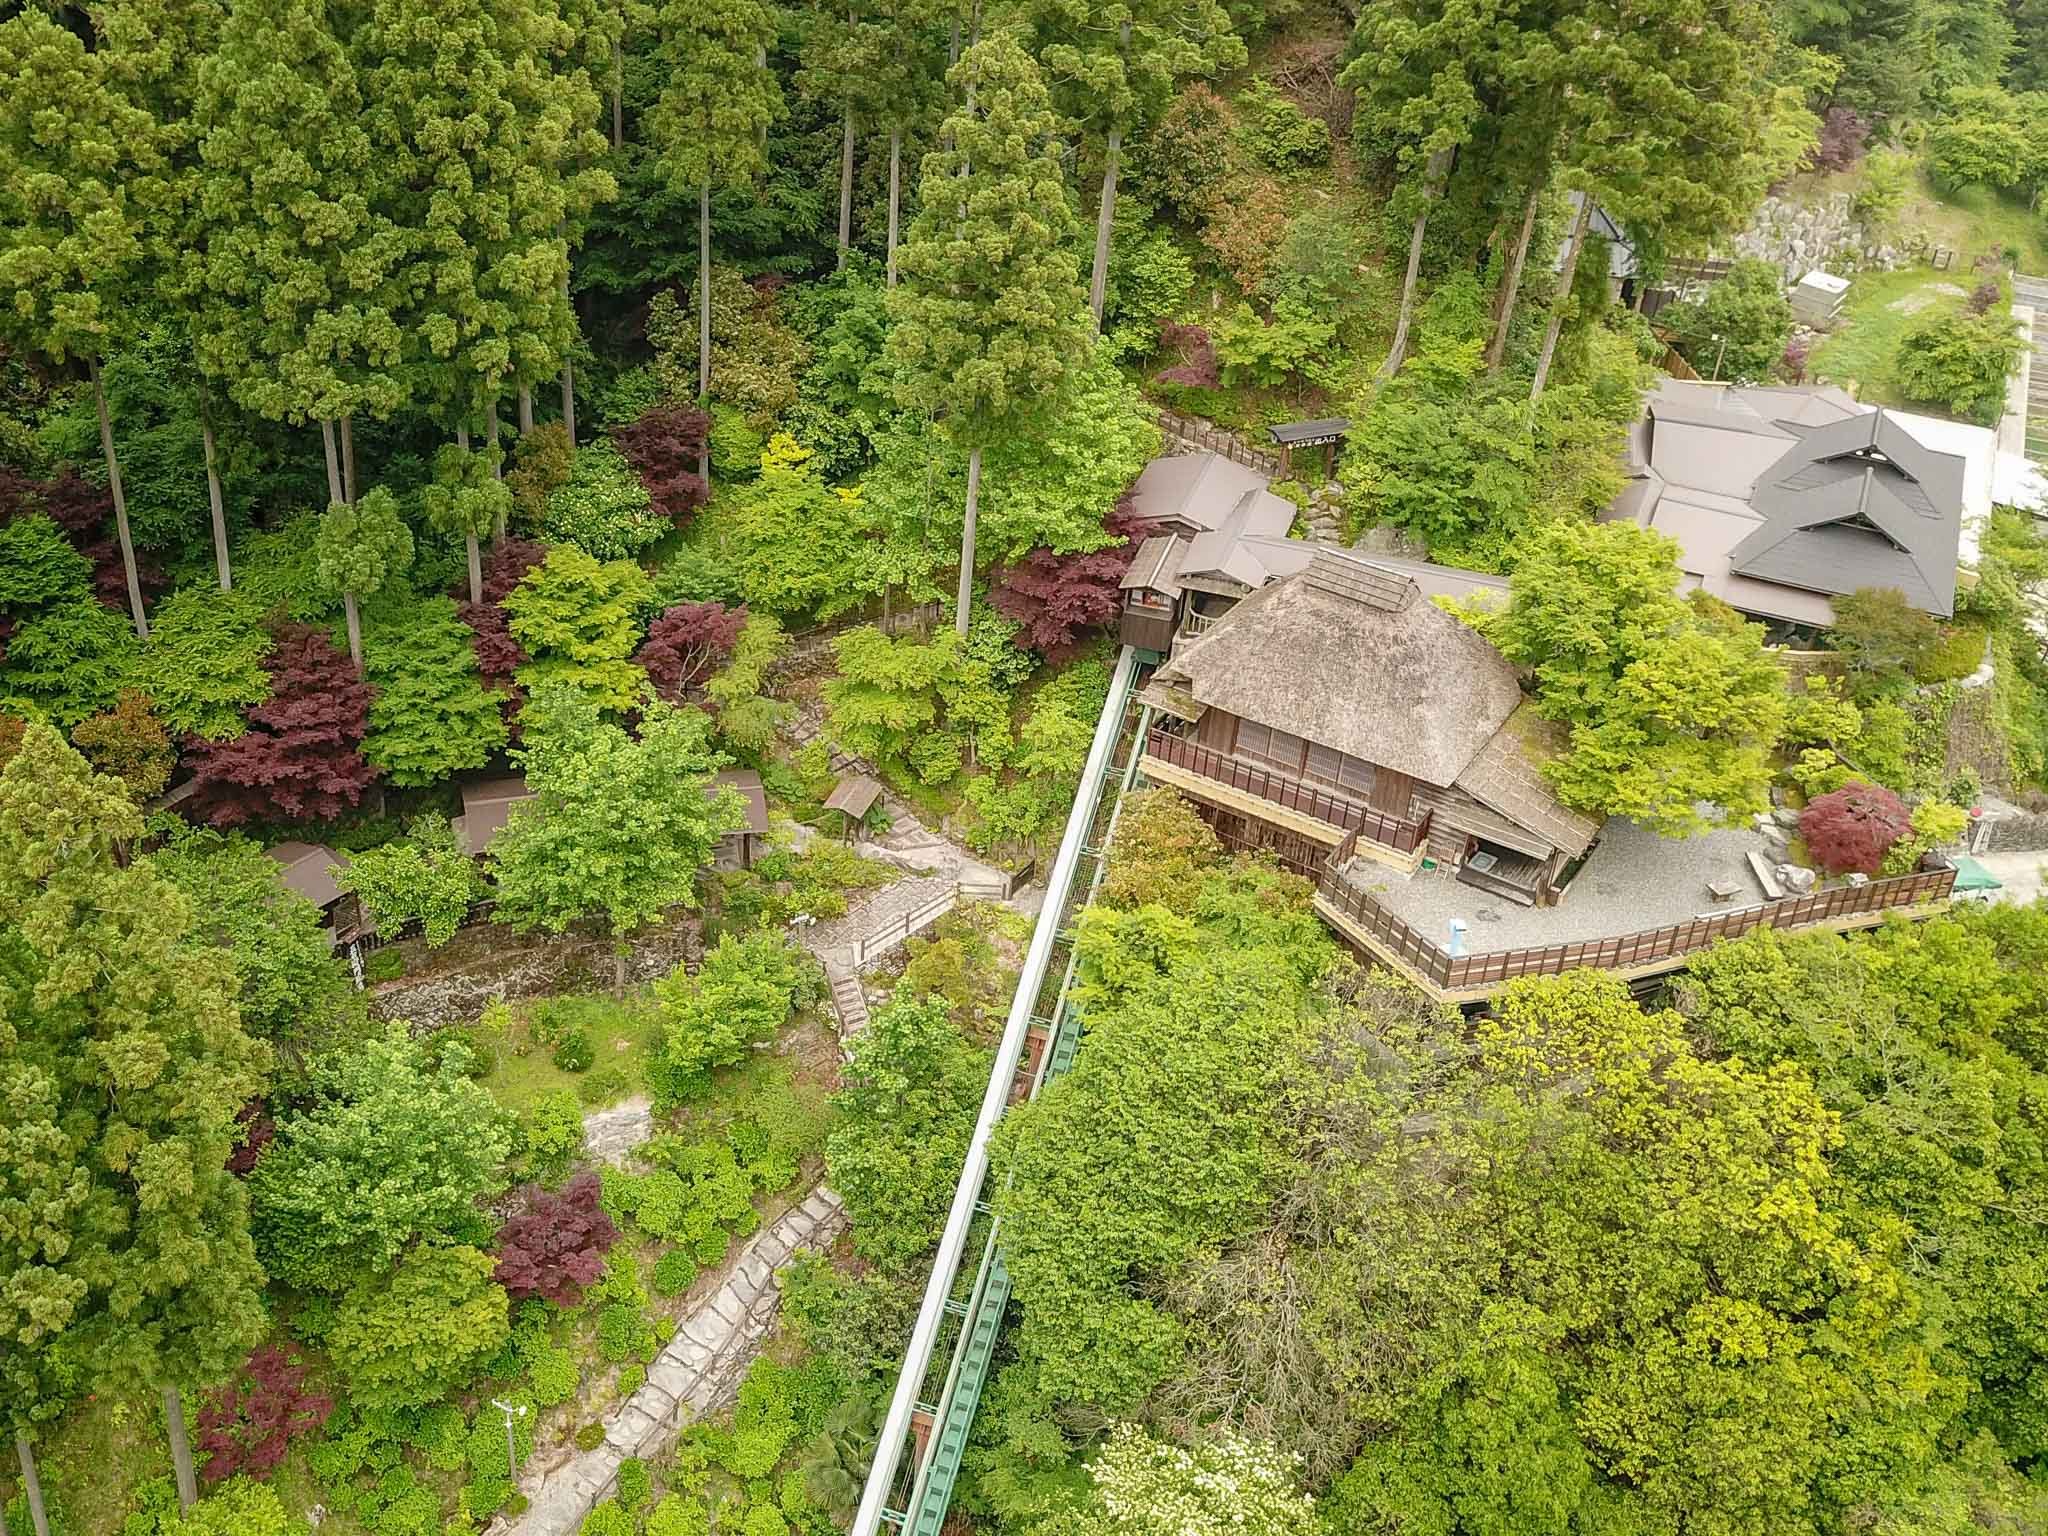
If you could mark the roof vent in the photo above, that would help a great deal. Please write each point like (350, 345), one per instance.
(1372, 585)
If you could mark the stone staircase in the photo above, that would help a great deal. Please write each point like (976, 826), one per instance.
(848, 1000)
(2034, 291)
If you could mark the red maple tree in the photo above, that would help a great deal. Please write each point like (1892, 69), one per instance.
(301, 757)
(556, 1245)
(498, 655)
(249, 1424)
(1055, 597)
(663, 444)
(688, 643)
(1854, 827)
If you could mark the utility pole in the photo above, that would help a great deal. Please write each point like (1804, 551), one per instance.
(511, 1411)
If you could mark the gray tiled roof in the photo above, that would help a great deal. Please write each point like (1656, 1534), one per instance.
(1859, 503)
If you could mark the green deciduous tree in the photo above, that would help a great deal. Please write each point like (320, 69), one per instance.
(907, 1110)
(1739, 328)
(618, 828)
(1665, 707)
(1958, 362)
(886, 697)
(406, 1338)
(432, 716)
(72, 247)
(202, 665)
(123, 1063)
(360, 548)
(70, 660)
(426, 876)
(989, 319)
(745, 992)
(391, 1147)
(292, 990)
(578, 619)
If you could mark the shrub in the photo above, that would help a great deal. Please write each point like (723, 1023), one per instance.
(575, 1053)
(674, 1273)
(1854, 828)
(1270, 352)
(541, 462)
(1844, 132)
(432, 716)
(1243, 228)
(1197, 367)
(589, 1437)
(603, 509)
(1277, 133)
(677, 1515)
(417, 1334)
(608, 1519)
(237, 1508)
(203, 664)
(662, 446)
(604, 1086)
(635, 1484)
(1936, 824)
(1887, 180)
(745, 992)
(130, 743)
(38, 565)
(1182, 160)
(1958, 362)
(249, 1424)
(623, 1333)
(383, 965)
(553, 1129)
(1883, 639)
(556, 1245)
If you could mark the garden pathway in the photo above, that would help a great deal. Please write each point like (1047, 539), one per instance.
(697, 1373)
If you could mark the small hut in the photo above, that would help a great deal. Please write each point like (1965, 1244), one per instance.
(853, 797)
(487, 807)
(738, 850)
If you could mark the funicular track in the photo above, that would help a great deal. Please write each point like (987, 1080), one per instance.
(917, 1461)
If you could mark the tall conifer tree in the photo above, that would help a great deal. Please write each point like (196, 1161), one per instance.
(711, 123)
(73, 253)
(991, 317)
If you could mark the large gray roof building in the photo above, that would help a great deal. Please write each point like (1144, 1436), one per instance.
(1783, 499)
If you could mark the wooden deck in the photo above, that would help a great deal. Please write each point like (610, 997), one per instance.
(1516, 876)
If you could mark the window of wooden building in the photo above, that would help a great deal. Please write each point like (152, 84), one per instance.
(1276, 749)
(1340, 771)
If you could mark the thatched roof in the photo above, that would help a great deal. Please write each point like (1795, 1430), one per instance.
(1350, 654)
(1507, 777)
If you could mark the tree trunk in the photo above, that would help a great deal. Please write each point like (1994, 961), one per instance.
(967, 541)
(476, 569)
(348, 463)
(1511, 284)
(1105, 216)
(846, 187)
(895, 195)
(99, 400)
(355, 630)
(1561, 300)
(704, 321)
(462, 435)
(213, 503)
(497, 461)
(1431, 176)
(569, 370)
(618, 93)
(181, 1449)
(32, 1486)
(333, 462)
(525, 409)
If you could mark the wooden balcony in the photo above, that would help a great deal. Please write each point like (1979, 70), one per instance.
(1347, 821)
(1369, 925)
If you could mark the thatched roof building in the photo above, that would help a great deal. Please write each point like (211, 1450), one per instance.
(1353, 656)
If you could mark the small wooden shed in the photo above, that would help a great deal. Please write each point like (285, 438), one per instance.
(738, 850)
(853, 797)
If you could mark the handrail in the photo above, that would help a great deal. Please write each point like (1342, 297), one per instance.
(1396, 832)
(1621, 951)
(931, 1311)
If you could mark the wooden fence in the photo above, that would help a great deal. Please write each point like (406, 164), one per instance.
(872, 946)
(1206, 436)
(1650, 946)
(1392, 831)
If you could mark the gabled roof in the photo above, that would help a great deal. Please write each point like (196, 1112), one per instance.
(1352, 655)
(1156, 565)
(1221, 552)
(748, 785)
(1196, 491)
(487, 807)
(1507, 777)
(1859, 503)
(306, 868)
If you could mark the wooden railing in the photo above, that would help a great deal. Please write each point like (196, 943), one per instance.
(1474, 972)
(1394, 832)
(1193, 623)
(1192, 432)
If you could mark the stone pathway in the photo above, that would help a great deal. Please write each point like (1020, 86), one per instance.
(695, 1375)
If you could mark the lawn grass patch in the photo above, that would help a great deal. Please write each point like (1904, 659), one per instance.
(623, 1036)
